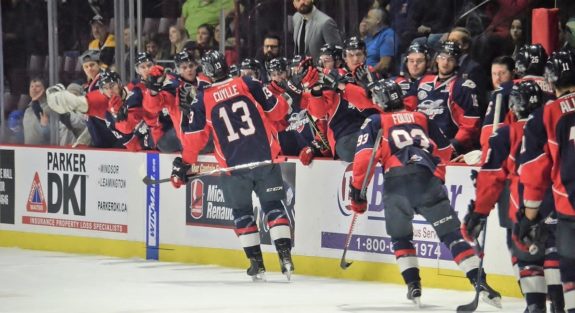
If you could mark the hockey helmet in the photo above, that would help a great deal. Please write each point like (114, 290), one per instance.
(277, 65)
(184, 56)
(387, 94)
(214, 65)
(143, 57)
(531, 60)
(250, 64)
(560, 68)
(524, 98)
(353, 43)
(450, 48)
(334, 50)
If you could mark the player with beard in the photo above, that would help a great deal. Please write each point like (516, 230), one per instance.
(451, 101)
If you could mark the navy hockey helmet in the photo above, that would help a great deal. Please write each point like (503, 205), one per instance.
(184, 56)
(334, 50)
(353, 43)
(143, 57)
(560, 69)
(234, 70)
(531, 60)
(417, 47)
(107, 77)
(524, 98)
(214, 65)
(277, 65)
(250, 64)
(450, 48)
(388, 95)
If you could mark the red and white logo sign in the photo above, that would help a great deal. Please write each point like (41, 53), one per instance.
(36, 200)
(197, 198)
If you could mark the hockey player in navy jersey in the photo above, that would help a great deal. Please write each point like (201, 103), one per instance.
(237, 111)
(530, 65)
(451, 101)
(415, 66)
(413, 152)
(539, 272)
(330, 56)
(548, 159)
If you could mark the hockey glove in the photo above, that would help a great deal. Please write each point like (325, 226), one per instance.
(306, 155)
(311, 78)
(473, 223)
(276, 88)
(155, 79)
(473, 177)
(529, 235)
(122, 113)
(364, 76)
(358, 203)
(180, 170)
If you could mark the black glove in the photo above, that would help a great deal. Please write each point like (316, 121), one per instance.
(473, 177)
(65, 119)
(122, 113)
(358, 203)
(186, 94)
(37, 109)
(155, 79)
(473, 223)
(529, 235)
(180, 170)
(364, 76)
(333, 79)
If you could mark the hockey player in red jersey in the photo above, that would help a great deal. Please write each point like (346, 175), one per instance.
(237, 111)
(548, 159)
(451, 101)
(413, 152)
(538, 272)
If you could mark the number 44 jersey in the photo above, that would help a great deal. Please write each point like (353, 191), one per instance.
(237, 112)
(407, 138)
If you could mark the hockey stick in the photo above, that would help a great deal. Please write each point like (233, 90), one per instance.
(317, 131)
(150, 181)
(472, 306)
(343, 263)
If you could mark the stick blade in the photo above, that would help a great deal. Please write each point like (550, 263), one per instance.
(468, 308)
(344, 265)
(148, 181)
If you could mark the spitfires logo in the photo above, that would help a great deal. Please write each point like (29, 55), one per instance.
(431, 108)
(197, 199)
(36, 201)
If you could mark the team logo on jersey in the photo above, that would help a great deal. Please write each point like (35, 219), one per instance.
(421, 95)
(36, 201)
(431, 108)
(197, 199)
(469, 84)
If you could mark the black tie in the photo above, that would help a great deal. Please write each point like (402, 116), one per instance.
(302, 38)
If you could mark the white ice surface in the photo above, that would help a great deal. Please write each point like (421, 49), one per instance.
(46, 282)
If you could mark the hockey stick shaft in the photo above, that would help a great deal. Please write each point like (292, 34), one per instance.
(472, 306)
(317, 131)
(149, 181)
(343, 263)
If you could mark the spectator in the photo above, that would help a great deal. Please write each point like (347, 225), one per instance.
(204, 38)
(198, 12)
(517, 35)
(312, 29)
(362, 29)
(155, 47)
(72, 127)
(103, 40)
(178, 39)
(381, 43)
(36, 120)
(15, 128)
(428, 21)
(231, 54)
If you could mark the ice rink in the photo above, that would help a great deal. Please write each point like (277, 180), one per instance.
(40, 281)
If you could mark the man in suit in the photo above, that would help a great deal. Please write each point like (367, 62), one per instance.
(312, 29)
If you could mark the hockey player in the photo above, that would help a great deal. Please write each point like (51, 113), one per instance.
(330, 56)
(547, 159)
(414, 68)
(237, 111)
(251, 67)
(450, 100)
(541, 269)
(125, 114)
(413, 152)
(530, 65)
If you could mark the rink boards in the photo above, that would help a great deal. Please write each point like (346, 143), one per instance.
(93, 201)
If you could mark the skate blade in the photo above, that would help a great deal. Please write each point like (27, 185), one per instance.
(417, 302)
(496, 302)
(288, 271)
(261, 277)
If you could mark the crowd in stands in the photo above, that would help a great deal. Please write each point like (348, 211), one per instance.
(382, 38)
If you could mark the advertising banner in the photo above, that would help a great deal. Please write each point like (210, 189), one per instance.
(7, 186)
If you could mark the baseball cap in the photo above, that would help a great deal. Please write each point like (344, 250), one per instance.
(97, 19)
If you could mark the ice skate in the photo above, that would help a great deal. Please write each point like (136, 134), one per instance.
(286, 262)
(489, 295)
(257, 269)
(414, 292)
